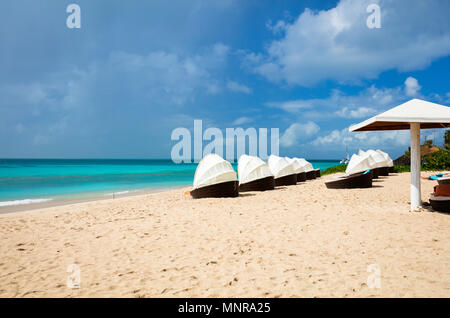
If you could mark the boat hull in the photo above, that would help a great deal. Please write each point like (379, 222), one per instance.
(301, 177)
(286, 180)
(383, 171)
(310, 175)
(263, 184)
(375, 173)
(359, 180)
(440, 205)
(228, 189)
(317, 173)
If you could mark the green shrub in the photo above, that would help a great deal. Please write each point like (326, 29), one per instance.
(402, 168)
(334, 169)
(439, 160)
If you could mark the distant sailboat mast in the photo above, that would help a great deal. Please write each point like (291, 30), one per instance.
(346, 160)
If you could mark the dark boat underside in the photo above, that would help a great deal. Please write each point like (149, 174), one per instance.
(359, 180)
(310, 175)
(228, 189)
(263, 184)
(286, 180)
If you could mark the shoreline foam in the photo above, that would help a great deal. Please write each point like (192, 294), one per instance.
(55, 202)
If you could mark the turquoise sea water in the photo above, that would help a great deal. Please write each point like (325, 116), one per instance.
(25, 181)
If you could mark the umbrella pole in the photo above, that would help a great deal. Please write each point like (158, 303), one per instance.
(415, 166)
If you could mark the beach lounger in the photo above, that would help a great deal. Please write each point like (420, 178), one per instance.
(442, 190)
(310, 175)
(254, 174)
(286, 180)
(308, 170)
(283, 171)
(382, 171)
(301, 177)
(228, 189)
(299, 166)
(375, 173)
(317, 173)
(264, 184)
(443, 180)
(440, 178)
(214, 177)
(358, 180)
(441, 204)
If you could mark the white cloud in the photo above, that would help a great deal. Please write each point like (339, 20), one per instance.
(412, 87)
(366, 103)
(126, 91)
(336, 44)
(239, 88)
(293, 106)
(276, 28)
(355, 113)
(242, 121)
(297, 132)
(363, 104)
(338, 139)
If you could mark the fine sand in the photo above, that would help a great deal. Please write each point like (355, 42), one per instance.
(298, 241)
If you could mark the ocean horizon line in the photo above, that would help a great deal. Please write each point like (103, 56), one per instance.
(136, 159)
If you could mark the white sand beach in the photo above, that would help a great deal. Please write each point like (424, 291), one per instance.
(298, 241)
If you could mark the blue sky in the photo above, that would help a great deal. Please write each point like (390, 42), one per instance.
(117, 87)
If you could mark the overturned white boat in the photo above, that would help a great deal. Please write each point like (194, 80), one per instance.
(299, 168)
(357, 175)
(310, 172)
(381, 163)
(282, 170)
(358, 164)
(254, 174)
(214, 177)
(376, 161)
(389, 161)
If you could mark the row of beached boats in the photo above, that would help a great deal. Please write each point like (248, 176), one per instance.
(215, 177)
(362, 169)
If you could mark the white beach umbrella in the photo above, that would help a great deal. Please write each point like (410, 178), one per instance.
(358, 164)
(252, 168)
(412, 115)
(213, 169)
(280, 167)
(299, 166)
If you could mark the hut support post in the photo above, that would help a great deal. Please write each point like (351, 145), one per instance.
(415, 166)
